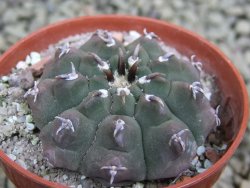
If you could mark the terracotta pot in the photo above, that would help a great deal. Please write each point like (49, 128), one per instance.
(188, 43)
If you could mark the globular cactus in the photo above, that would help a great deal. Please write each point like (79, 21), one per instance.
(121, 114)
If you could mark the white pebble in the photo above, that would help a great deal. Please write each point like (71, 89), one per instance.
(35, 57)
(83, 177)
(202, 158)
(22, 163)
(21, 65)
(30, 126)
(11, 120)
(247, 56)
(243, 27)
(65, 177)
(135, 34)
(132, 36)
(224, 147)
(34, 141)
(198, 165)
(12, 157)
(28, 60)
(104, 93)
(79, 186)
(207, 164)
(138, 185)
(28, 118)
(46, 177)
(200, 150)
(200, 170)
(17, 150)
(195, 161)
(5, 78)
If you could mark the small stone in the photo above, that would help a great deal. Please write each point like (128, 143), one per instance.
(17, 150)
(237, 179)
(23, 108)
(56, 18)
(245, 184)
(22, 163)
(200, 170)
(24, 13)
(118, 36)
(11, 119)
(30, 126)
(35, 57)
(236, 164)
(216, 18)
(41, 17)
(178, 4)
(79, 186)
(83, 177)
(12, 157)
(26, 79)
(10, 16)
(212, 155)
(16, 93)
(207, 164)
(138, 185)
(235, 10)
(65, 177)
(212, 139)
(3, 45)
(1, 118)
(167, 12)
(28, 118)
(202, 158)
(69, 8)
(223, 184)
(247, 56)
(243, 27)
(46, 177)
(35, 141)
(15, 31)
(198, 165)
(217, 33)
(132, 36)
(5, 78)
(13, 80)
(3, 7)
(200, 150)
(227, 174)
(37, 68)
(241, 65)
(21, 65)
(28, 60)
(195, 161)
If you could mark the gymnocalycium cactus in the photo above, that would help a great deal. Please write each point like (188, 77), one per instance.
(121, 114)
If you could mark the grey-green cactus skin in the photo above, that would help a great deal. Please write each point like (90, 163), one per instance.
(121, 114)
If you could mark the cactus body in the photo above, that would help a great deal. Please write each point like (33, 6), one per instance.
(120, 114)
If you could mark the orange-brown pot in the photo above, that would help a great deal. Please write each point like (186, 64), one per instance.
(214, 61)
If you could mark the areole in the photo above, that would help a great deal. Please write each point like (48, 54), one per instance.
(188, 43)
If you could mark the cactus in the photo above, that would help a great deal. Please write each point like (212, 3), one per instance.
(121, 114)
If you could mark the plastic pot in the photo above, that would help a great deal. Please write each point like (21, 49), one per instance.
(214, 61)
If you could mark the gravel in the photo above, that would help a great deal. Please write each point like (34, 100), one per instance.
(223, 22)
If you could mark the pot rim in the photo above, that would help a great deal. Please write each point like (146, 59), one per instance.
(188, 182)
